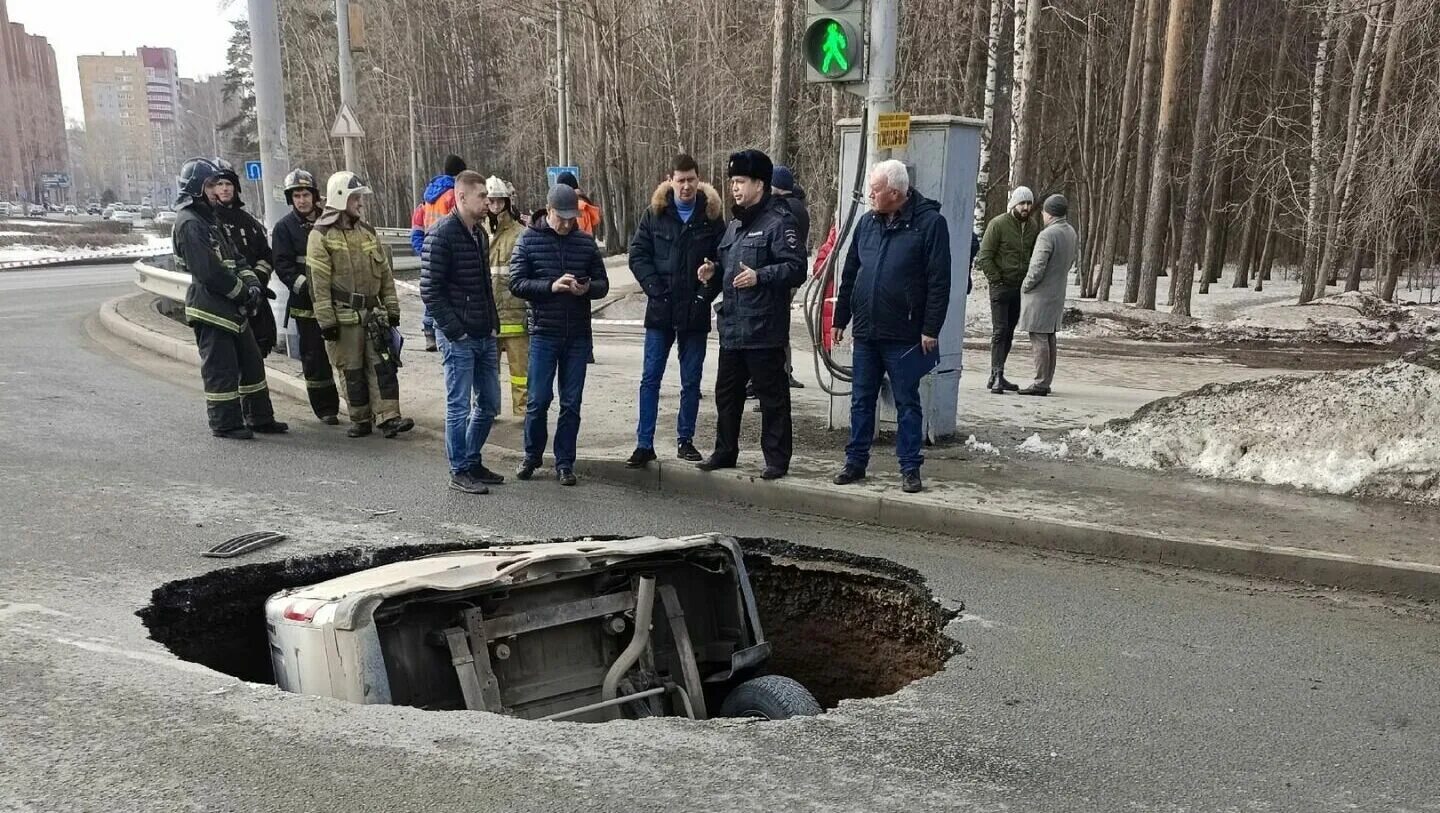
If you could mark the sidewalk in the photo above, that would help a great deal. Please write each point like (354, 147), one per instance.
(970, 492)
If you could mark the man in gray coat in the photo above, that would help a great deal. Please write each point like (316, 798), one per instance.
(1042, 294)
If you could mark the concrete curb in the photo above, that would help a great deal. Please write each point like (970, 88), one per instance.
(1321, 568)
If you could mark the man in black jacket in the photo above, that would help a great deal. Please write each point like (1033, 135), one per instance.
(292, 234)
(455, 287)
(679, 232)
(248, 237)
(220, 304)
(896, 287)
(761, 261)
(557, 268)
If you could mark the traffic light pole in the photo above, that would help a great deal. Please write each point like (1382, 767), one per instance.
(347, 78)
(880, 93)
(269, 106)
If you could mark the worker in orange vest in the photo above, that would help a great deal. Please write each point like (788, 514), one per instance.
(439, 201)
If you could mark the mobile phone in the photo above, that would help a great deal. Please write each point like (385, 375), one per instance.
(582, 280)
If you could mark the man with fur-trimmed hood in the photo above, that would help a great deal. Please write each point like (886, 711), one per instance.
(679, 232)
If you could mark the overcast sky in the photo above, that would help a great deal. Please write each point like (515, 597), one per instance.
(198, 30)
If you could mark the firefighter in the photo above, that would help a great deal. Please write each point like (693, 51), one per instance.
(223, 298)
(353, 285)
(248, 237)
(292, 234)
(503, 227)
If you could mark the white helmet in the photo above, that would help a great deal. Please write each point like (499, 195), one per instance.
(341, 186)
(495, 187)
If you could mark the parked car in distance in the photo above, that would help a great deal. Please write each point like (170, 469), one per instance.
(109, 212)
(167, 216)
(123, 216)
(71, 210)
(93, 209)
(36, 210)
(586, 631)
(146, 213)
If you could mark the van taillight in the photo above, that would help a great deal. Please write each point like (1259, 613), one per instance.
(301, 610)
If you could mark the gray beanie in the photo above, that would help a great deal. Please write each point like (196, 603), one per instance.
(1022, 194)
(1057, 206)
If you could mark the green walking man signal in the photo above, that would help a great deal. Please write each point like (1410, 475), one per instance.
(834, 41)
(834, 48)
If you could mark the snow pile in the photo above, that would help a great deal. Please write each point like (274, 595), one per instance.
(1365, 432)
(1037, 446)
(980, 446)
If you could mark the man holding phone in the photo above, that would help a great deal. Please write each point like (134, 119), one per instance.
(896, 287)
(557, 268)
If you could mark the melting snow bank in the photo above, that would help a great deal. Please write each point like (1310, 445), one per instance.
(1367, 432)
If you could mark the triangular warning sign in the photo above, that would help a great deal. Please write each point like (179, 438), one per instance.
(346, 124)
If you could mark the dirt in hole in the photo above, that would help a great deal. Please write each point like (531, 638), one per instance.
(843, 625)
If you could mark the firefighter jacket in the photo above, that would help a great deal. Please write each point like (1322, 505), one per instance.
(349, 270)
(291, 240)
(504, 231)
(248, 237)
(217, 280)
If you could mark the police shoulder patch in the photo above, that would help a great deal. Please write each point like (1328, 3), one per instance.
(792, 238)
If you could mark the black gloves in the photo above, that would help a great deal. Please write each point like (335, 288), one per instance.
(330, 334)
(394, 320)
(254, 296)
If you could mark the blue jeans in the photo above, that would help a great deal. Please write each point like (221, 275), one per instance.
(692, 364)
(552, 357)
(905, 365)
(472, 397)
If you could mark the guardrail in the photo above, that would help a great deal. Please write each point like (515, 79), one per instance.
(161, 280)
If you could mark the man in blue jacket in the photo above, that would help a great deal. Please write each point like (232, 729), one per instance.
(896, 287)
(557, 268)
(455, 287)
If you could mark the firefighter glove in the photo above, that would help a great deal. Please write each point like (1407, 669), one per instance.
(394, 320)
(331, 333)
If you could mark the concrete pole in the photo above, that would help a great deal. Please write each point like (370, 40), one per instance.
(274, 143)
(880, 97)
(562, 85)
(347, 78)
(414, 156)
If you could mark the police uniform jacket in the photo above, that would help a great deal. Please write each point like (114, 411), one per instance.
(767, 239)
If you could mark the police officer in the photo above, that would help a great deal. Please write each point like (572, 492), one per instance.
(761, 260)
(223, 298)
(248, 236)
(292, 235)
(353, 283)
(503, 228)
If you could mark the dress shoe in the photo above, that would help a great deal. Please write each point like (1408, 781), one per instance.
(1034, 390)
(848, 475)
(712, 463)
(639, 458)
(773, 473)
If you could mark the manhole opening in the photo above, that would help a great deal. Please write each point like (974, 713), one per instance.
(843, 625)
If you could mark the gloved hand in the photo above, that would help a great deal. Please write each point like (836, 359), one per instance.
(394, 320)
(330, 334)
(254, 296)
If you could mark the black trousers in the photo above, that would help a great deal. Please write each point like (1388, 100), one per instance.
(234, 376)
(319, 378)
(1004, 315)
(766, 370)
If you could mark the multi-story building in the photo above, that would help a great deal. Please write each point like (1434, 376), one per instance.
(113, 90)
(32, 121)
(162, 102)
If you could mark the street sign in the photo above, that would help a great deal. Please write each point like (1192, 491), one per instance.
(57, 180)
(893, 131)
(553, 173)
(346, 124)
(252, 170)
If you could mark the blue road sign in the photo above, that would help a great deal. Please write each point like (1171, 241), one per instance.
(252, 170)
(551, 173)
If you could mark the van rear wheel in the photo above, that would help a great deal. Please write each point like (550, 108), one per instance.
(770, 697)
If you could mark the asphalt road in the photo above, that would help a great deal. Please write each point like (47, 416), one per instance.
(1087, 685)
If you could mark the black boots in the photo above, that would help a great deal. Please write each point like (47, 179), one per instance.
(358, 430)
(395, 426)
(997, 383)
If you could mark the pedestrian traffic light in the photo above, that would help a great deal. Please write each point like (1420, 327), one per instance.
(834, 40)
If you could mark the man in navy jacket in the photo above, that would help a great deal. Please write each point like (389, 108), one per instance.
(896, 289)
(557, 268)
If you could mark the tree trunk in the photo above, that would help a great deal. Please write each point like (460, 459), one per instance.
(1027, 56)
(1122, 151)
(1200, 154)
(1247, 247)
(1309, 263)
(780, 83)
(1388, 268)
(995, 140)
(1360, 86)
(1214, 256)
(1153, 252)
(1144, 130)
(1352, 279)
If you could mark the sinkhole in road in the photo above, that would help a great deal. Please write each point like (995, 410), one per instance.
(842, 624)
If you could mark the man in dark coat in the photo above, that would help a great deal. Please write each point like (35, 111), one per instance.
(761, 260)
(679, 232)
(291, 238)
(557, 268)
(896, 288)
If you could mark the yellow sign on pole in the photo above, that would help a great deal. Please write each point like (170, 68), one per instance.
(893, 131)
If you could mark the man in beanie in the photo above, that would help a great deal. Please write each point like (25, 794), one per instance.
(590, 216)
(1004, 258)
(761, 260)
(1043, 290)
(439, 201)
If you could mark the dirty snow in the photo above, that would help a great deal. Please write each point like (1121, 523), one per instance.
(1364, 432)
(980, 446)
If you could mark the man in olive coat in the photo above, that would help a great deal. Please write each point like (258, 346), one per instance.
(1042, 304)
(1004, 258)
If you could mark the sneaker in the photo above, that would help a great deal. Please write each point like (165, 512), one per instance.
(773, 473)
(686, 450)
(486, 476)
(712, 463)
(910, 482)
(233, 434)
(468, 483)
(330, 420)
(1033, 390)
(271, 428)
(848, 475)
(639, 458)
(566, 477)
(527, 469)
(395, 426)
(358, 430)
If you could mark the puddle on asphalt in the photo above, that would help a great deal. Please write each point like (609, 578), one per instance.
(844, 626)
